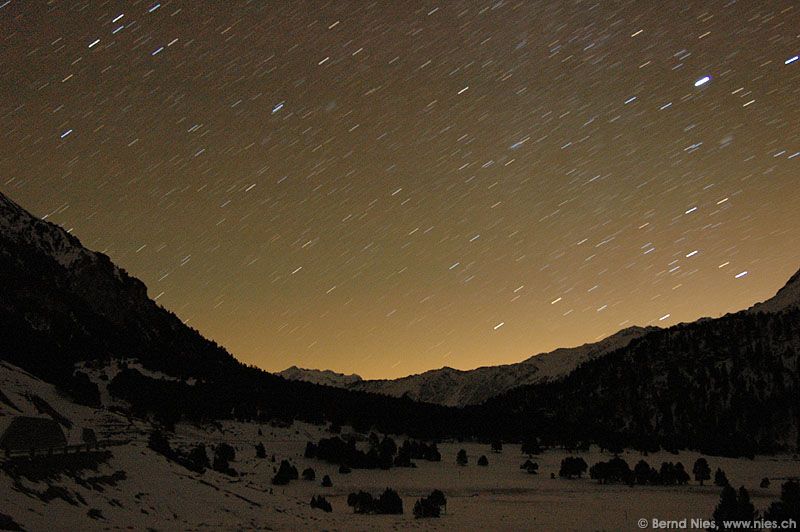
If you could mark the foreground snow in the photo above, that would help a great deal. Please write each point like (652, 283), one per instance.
(162, 495)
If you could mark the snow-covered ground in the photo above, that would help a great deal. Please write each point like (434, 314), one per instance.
(159, 494)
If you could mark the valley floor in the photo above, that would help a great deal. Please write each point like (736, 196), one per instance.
(158, 494)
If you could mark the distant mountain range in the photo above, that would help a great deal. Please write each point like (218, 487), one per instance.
(453, 387)
(729, 385)
(318, 376)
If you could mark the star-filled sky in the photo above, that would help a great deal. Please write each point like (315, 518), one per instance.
(390, 187)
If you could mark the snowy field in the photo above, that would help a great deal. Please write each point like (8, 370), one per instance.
(159, 494)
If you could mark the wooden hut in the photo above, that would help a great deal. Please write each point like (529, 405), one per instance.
(25, 433)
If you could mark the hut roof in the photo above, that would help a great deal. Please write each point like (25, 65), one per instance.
(25, 433)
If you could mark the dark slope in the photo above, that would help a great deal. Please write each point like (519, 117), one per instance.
(61, 304)
(726, 386)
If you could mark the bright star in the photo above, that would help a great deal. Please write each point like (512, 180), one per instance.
(702, 81)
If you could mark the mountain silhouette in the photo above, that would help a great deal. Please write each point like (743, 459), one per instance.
(453, 387)
(729, 386)
(64, 306)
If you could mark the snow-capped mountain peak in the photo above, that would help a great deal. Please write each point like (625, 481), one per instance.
(455, 387)
(787, 297)
(325, 377)
(16, 223)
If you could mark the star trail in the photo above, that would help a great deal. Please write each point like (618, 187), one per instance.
(390, 187)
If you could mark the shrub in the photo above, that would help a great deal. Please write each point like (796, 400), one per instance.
(311, 450)
(572, 466)
(321, 503)
(326, 482)
(389, 502)
(386, 449)
(158, 442)
(416, 450)
(681, 475)
(261, 452)
(669, 475)
(430, 506)
(361, 502)
(461, 458)
(733, 506)
(223, 454)
(338, 451)
(424, 508)
(788, 507)
(530, 446)
(383, 453)
(197, 459)
(437, 497)
(483, 461)
(530, 467)
(286, 473)
(424, 451)
(701, 470)
(403, 458)
(615, 470)
(82, 390)
(89, 437)
(309, 474)
(643, 473)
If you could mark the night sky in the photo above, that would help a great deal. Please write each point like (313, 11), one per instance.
(390, 187)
